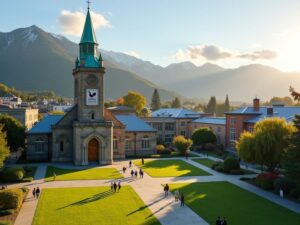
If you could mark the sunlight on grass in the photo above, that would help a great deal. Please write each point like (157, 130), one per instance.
(170, 168)
(85, 174)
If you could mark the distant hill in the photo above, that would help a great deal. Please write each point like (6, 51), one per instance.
(34, 60)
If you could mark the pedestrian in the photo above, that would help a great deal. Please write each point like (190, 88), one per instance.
(132, 173)
(224, 222)
(119, 186)
(115, 186)
(130, 163)
(37, 192)
(124, 169)
(143, 161)
(136, 174)
(176, 194)
(186, 156)
(33, 192)
(218, 221)
(54, 176)
(182, 200)
(112, 186)
(142, 173)
(166, 189)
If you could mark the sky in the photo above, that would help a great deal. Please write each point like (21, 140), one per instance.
(229, 33)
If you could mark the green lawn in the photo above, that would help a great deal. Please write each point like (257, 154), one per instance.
(172, 155)
(240, 207)
(85, 174)
(205, 162)
(92, 205)
(170, 168)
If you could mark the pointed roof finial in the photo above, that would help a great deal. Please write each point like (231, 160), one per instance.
(88, 3)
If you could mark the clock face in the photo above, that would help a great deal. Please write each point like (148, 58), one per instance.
(92, 96)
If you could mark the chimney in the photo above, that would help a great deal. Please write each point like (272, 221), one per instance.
(256, 105)
(270, 111)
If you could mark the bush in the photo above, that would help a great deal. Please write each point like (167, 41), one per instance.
(182, 144)
(284, 184)
(7, 212)
(295, 193)
(209, 146)
(13, 174)
(159, 147)
(219, 168)
(5, 222)
(216, 164)
(236, 172)
(164, 152)
(230, 163)
(11, 199)
(266, 180)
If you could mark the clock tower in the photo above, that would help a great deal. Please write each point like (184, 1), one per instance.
(92, 134)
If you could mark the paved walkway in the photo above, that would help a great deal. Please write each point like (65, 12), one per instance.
(150, 191)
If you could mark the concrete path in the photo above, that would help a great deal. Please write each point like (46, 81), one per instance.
(150, 190)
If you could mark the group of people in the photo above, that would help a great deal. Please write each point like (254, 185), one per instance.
(36, 192)
(115, 186)
(220, 221)
(178, 196)
(135, 173)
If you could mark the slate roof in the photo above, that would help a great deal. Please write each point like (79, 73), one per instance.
(211, 120)
(176, 113)
(134, 124)
(121, 107)
(44, 126)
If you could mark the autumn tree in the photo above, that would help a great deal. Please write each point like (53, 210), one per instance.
(155, 101)
(135, 100)
(182, 144)
(15, 131)
(4, 149)
(203, 136)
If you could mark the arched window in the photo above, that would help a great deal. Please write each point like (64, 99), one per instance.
(115, 143)
(127, 143)
(145, 142)
(61, 146)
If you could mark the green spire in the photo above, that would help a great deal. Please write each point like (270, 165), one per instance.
(88, 34)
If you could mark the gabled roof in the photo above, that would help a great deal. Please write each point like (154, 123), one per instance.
(44, 126)
(211, 120)
(108, 116)
(121, 107)
(88, 34)
(134, 124)
(245, 110)
(176, 113)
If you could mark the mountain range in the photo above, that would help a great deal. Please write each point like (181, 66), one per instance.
(34, 60)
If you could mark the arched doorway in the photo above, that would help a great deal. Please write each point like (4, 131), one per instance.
(93, 150)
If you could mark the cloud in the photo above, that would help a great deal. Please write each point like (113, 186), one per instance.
(215, 53)
(262, 54)
(72, 22)
(134, 54)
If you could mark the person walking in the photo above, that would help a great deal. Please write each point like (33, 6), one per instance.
(143, 161)
(130, 163)
(166, 189)
(124, 169)
(142, 174)
(119, 186)
(136, 174)
(112, 186)
(132, 173)
(224, 222)
(218, 221)
(37, 192)
(182, 200)
(176, 194)
(33, 192)
(115, 186)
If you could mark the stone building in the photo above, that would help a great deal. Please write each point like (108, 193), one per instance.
(88, 132)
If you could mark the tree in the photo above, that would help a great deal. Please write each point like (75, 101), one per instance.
(4, 149)
(182, 144)
(145, 112)
(226, 105)
(271, 138)
(245, 147)
(176, 103)
(135, 100)
(203, 136)
(291, 162)
(155, 101)
(15, 131)
(211, 105)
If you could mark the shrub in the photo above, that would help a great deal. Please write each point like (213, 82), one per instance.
(266, 180)
(159, 147)
(7, 212)
(231, 163)
(284, 184)
(27, 179)
(219, 168)
(295, 193)
(28, 169)
(13, 174)
(236, 172)
(209, 146)
(216, 163)
(11, 199)
(5, 222)
(164, 152)
(182, 144)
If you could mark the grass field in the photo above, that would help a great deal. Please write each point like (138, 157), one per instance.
(92, 205)
(170, 168)
(85, 174)
(240, 207)
(205, 162)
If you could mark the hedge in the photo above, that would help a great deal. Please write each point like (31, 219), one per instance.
(284, 184)
(11, 199)
(230, 163)
(266, 180)
(13, 174)
(296, 193)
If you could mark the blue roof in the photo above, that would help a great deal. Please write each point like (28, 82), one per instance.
(211, 120)
(44, 126)
(278, 111)
(176, 113)
(133, 123)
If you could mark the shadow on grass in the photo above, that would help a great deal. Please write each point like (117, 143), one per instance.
(144, 207)
(90, 199)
